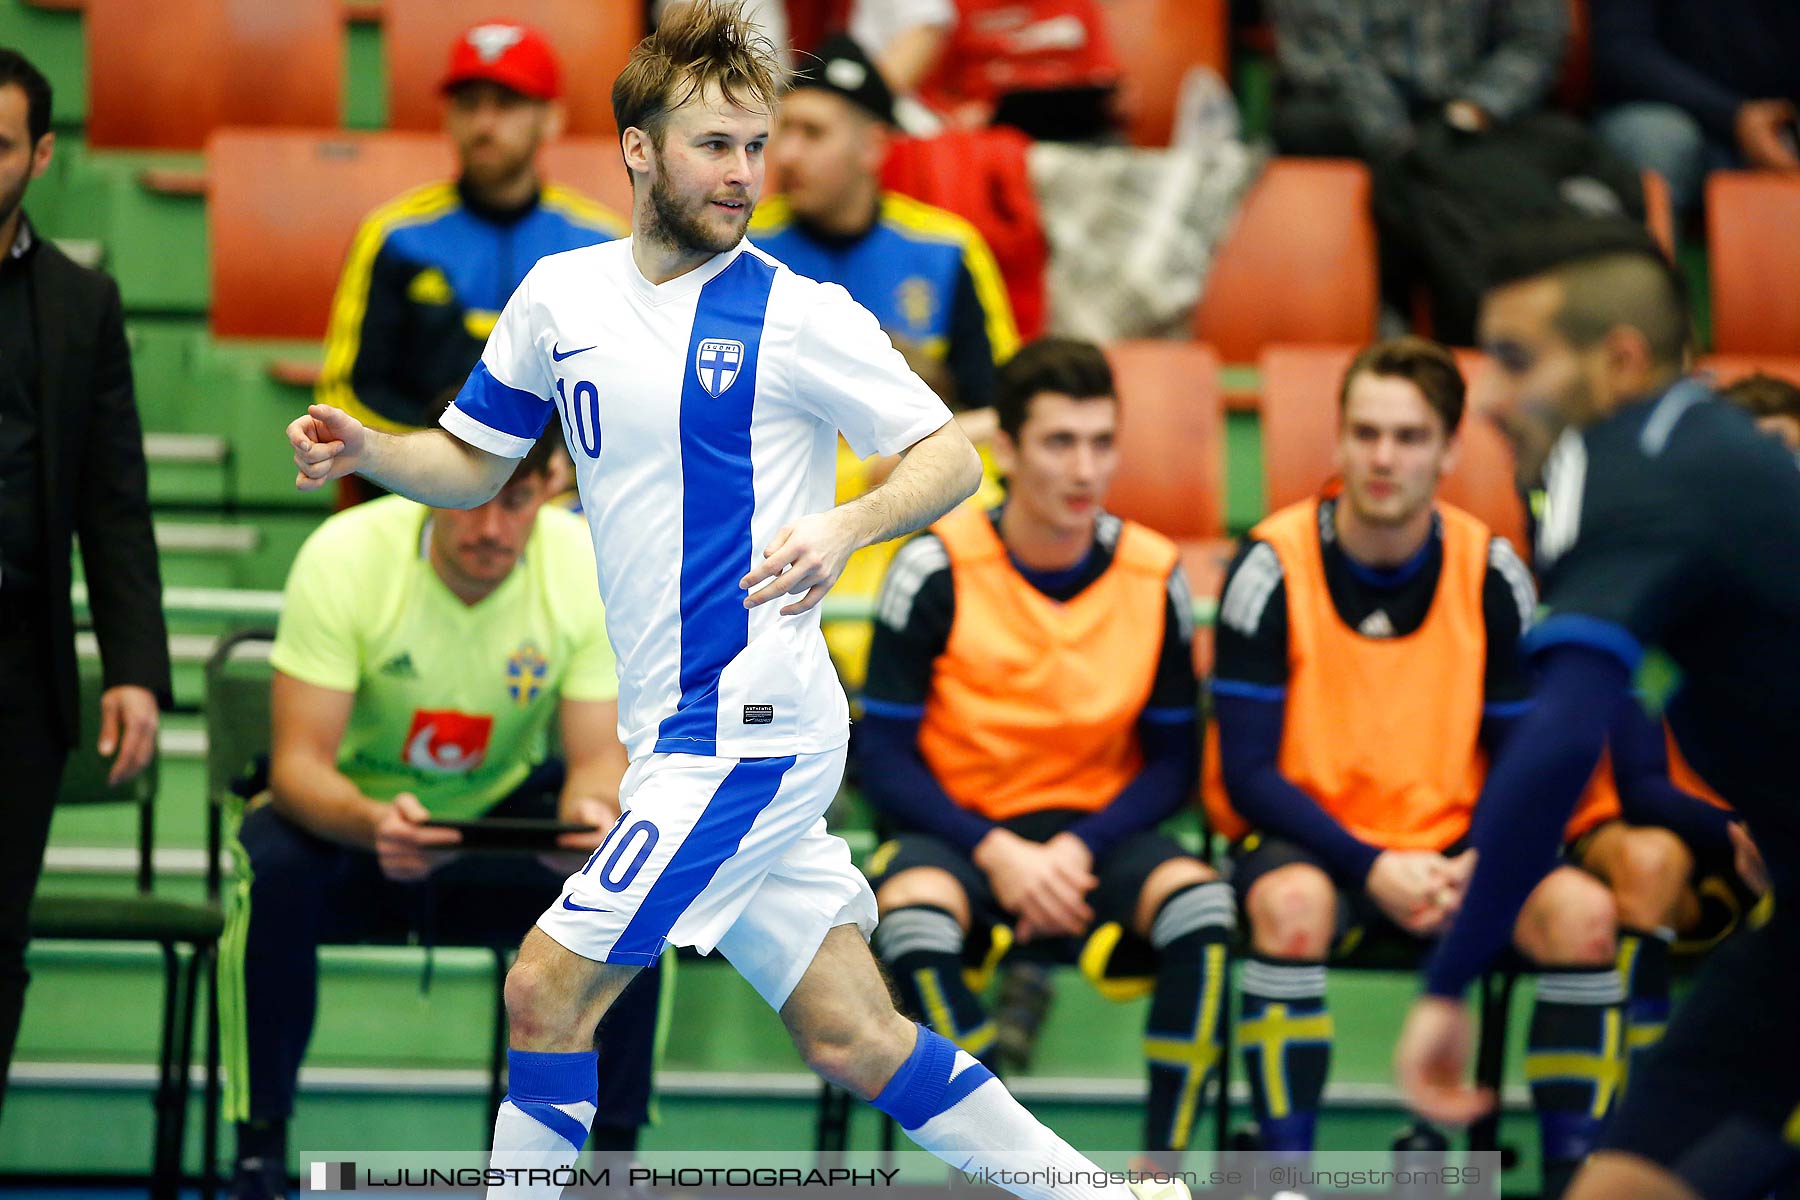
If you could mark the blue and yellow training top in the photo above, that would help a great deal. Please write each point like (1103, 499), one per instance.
(925, 273)
(424, 283)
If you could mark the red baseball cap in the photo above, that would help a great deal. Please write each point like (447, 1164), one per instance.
(507, 53)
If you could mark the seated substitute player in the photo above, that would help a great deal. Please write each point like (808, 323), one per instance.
(1367, 664)
(1774, 402)
(429, 270)
(1669, 522)
(1028, 720)
(421, 656)
(703, 387)
(925, 273)
(1670, 862)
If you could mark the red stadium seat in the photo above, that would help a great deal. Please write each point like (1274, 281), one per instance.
(1156, 41)
(171, 77)
(1171, 456)
(1300, 386)
(1753, 239)
(1299, 266)
(592, 41)
(284, 205)
(980, 176)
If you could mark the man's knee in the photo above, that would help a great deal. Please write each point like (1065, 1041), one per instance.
(847, 1051)
(555, 999)
(931, 887)
(1292, 911)
(1168, 877)
(1649, 871)
(1569, 920)
(1661, 138)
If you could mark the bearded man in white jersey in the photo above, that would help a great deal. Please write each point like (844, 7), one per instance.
(702, 387)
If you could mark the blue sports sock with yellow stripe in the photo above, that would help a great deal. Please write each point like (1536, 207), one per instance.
(1574, 1060)
(922, 948)
(1644, 969)
(1181, 1034)
(1286, 1034)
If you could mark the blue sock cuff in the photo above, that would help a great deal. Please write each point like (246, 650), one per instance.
(543, 1077)
(1567, 1136)
(917, 1091)
(1287, 1135)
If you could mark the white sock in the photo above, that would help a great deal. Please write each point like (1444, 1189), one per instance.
(543, 1122)
(973, 1123)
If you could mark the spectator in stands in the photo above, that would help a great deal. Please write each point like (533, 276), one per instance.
(71, 463)
(1358, 77)
(1029, 722)
(429, 272)
(1691, 86)
(906, 38)
(1775, 403)
(1446, 101)
(421, 656)
(1045, 67)
(1367, 657)
(925, 273)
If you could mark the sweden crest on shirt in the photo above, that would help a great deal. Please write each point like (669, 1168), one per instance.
(526, 670)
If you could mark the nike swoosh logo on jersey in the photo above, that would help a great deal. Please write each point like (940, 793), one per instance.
(559, 355)
(570, 904)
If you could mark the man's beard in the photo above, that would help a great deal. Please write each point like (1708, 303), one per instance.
(685, 230)
(9, 205)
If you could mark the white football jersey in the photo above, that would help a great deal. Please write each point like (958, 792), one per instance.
(702, 415)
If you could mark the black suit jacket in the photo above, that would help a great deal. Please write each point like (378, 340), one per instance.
(94, 485)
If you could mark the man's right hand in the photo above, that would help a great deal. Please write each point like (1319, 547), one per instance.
(328, 444)
(1419, 890)
(1760, 125)
(408, 848)
(1045, 896)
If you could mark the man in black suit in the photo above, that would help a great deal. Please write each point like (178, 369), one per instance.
(71, 462)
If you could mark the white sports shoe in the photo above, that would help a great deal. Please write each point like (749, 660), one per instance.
(1160, 1189)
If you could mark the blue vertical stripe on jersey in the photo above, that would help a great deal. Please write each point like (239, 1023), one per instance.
(718, 498)
(728, 816)
(502, 408)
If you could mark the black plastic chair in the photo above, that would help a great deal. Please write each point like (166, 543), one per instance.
(140, 916)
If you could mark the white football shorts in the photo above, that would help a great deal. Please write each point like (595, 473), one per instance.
(729, 853)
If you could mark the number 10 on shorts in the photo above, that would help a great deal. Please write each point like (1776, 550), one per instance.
(633, 849)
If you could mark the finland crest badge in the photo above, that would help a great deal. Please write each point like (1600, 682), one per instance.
(716, 362)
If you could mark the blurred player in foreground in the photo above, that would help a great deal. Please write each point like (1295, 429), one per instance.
(1669, 521)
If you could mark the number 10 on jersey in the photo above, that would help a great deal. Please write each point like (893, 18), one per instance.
(581, 417)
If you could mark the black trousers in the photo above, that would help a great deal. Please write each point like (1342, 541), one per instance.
(32, 754)
(307, 892)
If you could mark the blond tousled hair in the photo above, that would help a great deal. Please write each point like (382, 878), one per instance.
(699, 45)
